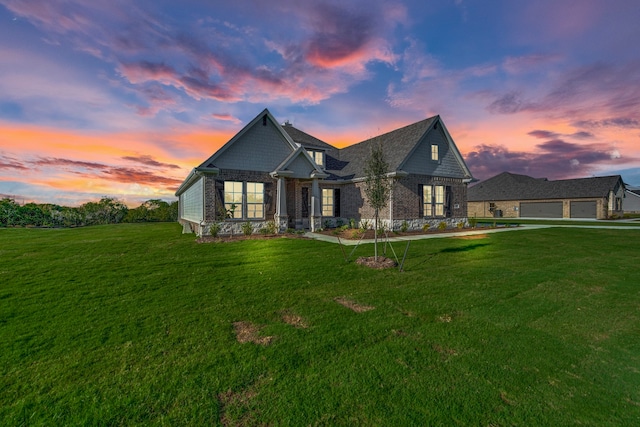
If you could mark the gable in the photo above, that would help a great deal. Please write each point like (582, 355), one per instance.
(260, 147)
(419, 161)
(450, 163)
(301, 167)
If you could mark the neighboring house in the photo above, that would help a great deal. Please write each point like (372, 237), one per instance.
(520, 196)
(632, 200)
(272, 172)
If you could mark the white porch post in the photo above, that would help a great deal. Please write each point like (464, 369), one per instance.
(315, 205)
(281, 217)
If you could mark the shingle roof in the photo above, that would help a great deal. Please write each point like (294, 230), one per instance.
(305, 139)
(396, 146)
(508, 186)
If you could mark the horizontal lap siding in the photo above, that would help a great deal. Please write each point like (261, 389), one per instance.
(191, 202)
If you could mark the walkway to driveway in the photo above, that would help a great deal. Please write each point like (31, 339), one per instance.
(522, 227)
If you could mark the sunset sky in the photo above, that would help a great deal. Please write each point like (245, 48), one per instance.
(122, 98)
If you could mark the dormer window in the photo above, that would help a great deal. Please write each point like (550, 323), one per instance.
(317, 156)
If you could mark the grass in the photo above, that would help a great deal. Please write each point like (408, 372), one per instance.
(136, 324)
(486, 222)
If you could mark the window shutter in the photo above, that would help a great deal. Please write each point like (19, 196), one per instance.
(268, 199)
(447, 201)
(420, 201)
(219, 203)
(336, 202)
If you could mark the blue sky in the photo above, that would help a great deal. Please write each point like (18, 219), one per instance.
(123, 98)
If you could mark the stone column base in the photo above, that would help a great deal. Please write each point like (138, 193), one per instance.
(282, 222)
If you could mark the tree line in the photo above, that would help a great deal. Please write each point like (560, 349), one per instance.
(107, 211)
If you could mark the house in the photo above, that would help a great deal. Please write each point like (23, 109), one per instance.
(632, 200)
(271, 172)
(519, 196)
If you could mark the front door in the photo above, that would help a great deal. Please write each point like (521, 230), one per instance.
(306, 205)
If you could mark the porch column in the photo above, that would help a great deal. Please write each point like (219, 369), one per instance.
(316, 217)
(281, 217)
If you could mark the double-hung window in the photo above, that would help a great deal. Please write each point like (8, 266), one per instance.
(433, 199)
(327, 202)
(233, 199)
(317, 156)
(434, 152)
(244, 200)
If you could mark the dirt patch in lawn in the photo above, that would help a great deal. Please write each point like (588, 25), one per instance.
(248, 332)
(380, 264)
(352, 305)
(294, 320)
(472, 237)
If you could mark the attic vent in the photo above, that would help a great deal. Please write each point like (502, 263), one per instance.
(264, 120)
(435, 126)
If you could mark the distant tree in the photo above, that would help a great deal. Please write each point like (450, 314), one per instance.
(377, 186)
(107, 211)
(9, 213)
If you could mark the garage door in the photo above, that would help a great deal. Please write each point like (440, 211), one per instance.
(583, 209)
(541, 210)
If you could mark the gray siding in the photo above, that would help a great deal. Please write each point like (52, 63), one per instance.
(260, 148)
(300, 167)
(420, 160)
(191, 202)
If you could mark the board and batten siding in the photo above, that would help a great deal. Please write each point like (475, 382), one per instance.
(420, 160)
(191, 202)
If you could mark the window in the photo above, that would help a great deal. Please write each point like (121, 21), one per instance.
(255, 200)
(317, 156)
(327, 202)
(434, 152)
(244, 200)
(427, 198)
(233, 199)
(433, 199)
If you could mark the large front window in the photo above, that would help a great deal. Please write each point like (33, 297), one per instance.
(433, 198)
(255, 200)
(233, 199)
(327, 202)
(244, 200)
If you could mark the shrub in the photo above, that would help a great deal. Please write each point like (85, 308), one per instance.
(404, 227)
(442, 226)
(352, 223)
(344, 227)
(247, 228)
(357, 233)
(473, 222)
(461, 225)
(269, 228)
(214, 229)
(365, 224)
(291, 231)
(339, 222)
(327, 223)
(426, 226)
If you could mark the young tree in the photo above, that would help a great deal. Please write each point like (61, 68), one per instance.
(377, 186)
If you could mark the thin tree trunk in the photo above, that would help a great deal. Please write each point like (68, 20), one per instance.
(375, 237)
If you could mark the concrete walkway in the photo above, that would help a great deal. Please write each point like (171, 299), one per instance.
(475, 232)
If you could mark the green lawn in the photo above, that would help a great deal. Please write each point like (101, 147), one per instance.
(134, 324)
